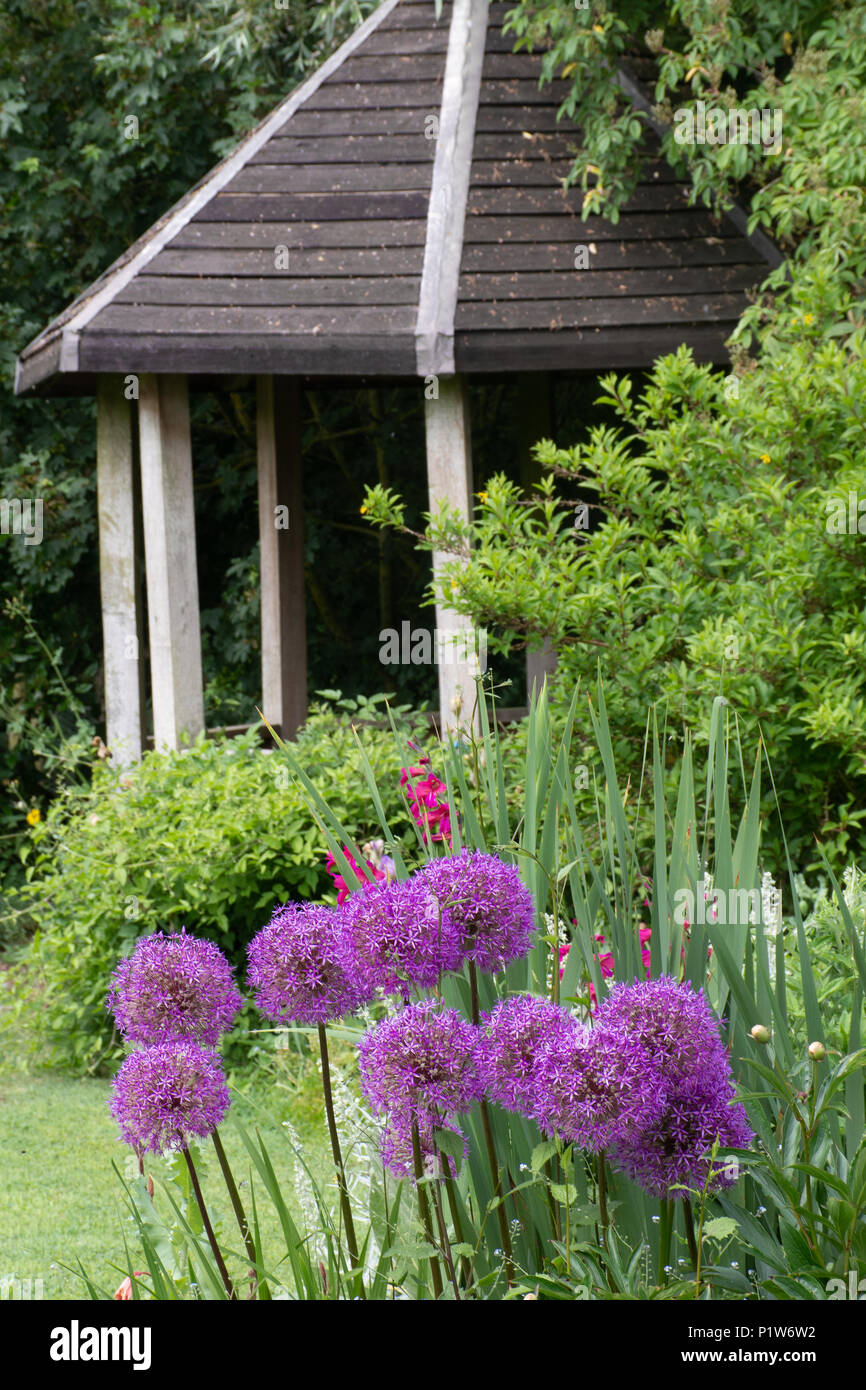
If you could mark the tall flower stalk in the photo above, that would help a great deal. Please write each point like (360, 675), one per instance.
(345, 1203)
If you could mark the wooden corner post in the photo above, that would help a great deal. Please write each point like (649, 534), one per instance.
(281, 534)
(170, 556)
(449, 474)
(121, 610)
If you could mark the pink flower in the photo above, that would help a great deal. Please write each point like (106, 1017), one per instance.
(124, 1292)
(606, 961)
(340, 882)
(429, 813)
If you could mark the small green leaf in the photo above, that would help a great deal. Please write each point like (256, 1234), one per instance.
(542, 1154)
(721, 1228)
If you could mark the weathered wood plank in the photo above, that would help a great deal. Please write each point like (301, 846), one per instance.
(393, 67)
(552, 150)
(602, 349)
(348, 149)
(281, 544)
(304, 355)
(503, 62)
(307, 236)
(351, 178)
(312, 207)
(169, 543)
(362, 96)
(362, 261)
(352, 121)
(505, 231)
(631, 227)
(520, 91)
(601, 284)
(233, 320)
(494, 116)
(406, 261)
(420, 16)
(334, 178)
(402, 40)
(518, 201)
(122, 619)
(519, 256)
(278, 289)
(555, 315)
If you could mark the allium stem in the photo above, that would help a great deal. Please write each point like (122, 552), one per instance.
(602, 1194)
(446, 1244)
(690, 1234)
(666, 1208)
(424, 1208)
(238, 1208)
(465, 1266)
(491, 1148)
(345, 1204)
(217, 1253)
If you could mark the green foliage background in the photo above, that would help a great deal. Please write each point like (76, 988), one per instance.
(211, 838)
(710, 564)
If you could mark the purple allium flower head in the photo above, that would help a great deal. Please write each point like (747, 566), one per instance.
(175, 986)
(490, 904)
(399, 936)
(301, 966)
(595, 1085)
(165, 1094)
(673, 1023)
(675, 1148)
(513, 1035)
(421, 1062)
(679, 1032)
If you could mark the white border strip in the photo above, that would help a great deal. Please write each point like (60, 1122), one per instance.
(449, 191)
(212, 184)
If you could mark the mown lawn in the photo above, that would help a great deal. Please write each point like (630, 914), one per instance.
(61, 1201)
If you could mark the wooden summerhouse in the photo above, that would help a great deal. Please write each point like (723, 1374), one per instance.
(400, 217)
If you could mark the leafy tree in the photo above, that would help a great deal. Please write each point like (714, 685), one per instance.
(717, 558)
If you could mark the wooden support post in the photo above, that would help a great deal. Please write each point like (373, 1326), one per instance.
(534, 422)
(121, 611)
(281, 533)
(170, 555)
(449, 476)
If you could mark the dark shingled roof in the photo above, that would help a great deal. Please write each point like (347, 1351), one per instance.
(408, 253)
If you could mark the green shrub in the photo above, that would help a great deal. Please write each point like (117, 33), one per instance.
(210, 838)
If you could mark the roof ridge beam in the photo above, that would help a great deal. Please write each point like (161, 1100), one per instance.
(449, 190)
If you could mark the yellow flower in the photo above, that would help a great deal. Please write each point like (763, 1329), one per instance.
(598, 28)
(34, 816)
(363, 511)
(808, 318)
(482, 496)
(765, 458)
